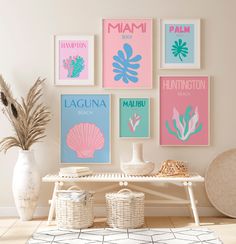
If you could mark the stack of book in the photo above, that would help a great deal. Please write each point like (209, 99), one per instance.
(74, 171)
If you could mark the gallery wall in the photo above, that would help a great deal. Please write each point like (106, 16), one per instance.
(26, 48)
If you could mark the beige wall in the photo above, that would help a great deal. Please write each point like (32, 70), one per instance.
(26, 52)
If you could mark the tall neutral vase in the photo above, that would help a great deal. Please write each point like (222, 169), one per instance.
(137, 165)
(26, 184)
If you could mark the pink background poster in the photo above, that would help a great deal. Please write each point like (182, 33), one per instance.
(73, 59)
(184, 110)
(127, 53)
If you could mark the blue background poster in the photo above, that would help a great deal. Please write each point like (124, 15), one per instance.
(85, 128)
(179, 43)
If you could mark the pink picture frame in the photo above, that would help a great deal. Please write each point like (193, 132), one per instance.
(127, 53)
(184, 110)
(74, 60)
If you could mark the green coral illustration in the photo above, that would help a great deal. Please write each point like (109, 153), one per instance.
(180, 49)
(74, 66)
(185, 125)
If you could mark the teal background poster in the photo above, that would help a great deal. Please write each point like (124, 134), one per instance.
(134, 117)
(85, 128)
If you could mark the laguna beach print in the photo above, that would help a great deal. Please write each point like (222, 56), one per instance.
(85, 138)
(184, 110)
(127, 53)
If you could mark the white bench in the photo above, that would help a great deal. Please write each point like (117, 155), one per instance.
(126, 180)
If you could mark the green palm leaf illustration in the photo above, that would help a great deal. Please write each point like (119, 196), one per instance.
(179, 49)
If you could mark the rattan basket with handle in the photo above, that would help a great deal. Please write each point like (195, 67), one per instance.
(74, 208)
(125, 209)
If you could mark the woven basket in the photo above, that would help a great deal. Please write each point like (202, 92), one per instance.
(173, 168)
(74, 211)
(125, 209)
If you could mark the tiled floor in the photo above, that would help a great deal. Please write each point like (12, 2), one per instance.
(16, 232)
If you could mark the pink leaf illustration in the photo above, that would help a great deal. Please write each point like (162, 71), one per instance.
(178, 123)
(193, 121)
(134, 122)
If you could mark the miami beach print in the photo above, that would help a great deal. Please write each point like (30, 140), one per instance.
(127, 53)
(184, 110)
(134, 117)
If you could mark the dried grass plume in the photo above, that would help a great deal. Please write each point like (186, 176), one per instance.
(28, 118)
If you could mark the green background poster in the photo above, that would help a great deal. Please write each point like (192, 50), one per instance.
(134, 117)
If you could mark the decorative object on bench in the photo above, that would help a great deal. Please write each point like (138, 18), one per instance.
(220, 183)
(29, 120)
(137, 166)
(74, 208)
(173, 168)
(125, 209)
(71, 172)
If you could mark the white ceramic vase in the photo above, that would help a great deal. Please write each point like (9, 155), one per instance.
(26, 184)
(137, 165)
(137, 155)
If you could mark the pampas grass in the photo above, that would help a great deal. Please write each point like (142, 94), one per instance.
(28, 118)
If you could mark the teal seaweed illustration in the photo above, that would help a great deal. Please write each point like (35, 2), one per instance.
(74, 65)
(185, 125)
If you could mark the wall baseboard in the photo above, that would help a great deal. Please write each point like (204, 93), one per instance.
(99, 210)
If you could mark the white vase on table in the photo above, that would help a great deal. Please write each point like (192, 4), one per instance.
(26, 184)
(137, 165)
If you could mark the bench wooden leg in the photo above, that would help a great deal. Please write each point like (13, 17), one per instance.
(52, 202)
(193, 204)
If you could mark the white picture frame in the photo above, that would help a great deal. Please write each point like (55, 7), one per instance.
(180, 43)
(145, 131)
(73, 60)
(112, 43)
(208, 79)
(109, 131)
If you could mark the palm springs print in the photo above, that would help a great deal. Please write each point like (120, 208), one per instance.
(180, 49)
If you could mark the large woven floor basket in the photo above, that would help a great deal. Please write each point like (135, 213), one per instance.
(74, 209)
(125, 209)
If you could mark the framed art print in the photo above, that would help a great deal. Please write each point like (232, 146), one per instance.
(127, 53)
(180, 43)
(184, 110)
(74, 60)
(134, 117)
(85, 137)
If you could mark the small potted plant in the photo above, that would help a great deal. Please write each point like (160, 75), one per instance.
(28, 118)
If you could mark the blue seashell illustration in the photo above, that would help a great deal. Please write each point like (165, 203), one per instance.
(126, 66)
